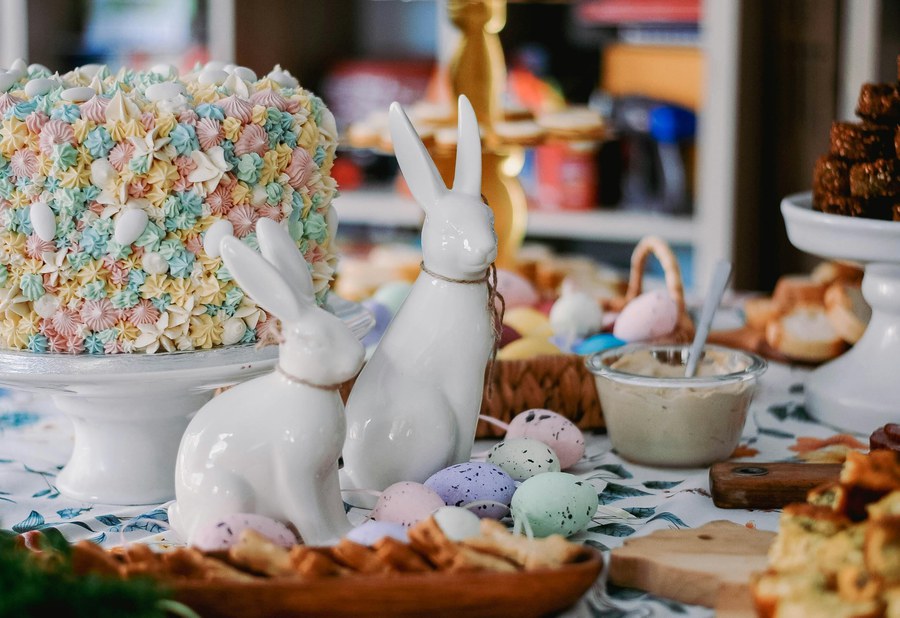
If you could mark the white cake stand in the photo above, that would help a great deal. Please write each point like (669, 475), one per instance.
(860, 390)
(130, 410)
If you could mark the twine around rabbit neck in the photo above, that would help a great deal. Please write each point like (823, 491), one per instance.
(496, 306)
(295, 379)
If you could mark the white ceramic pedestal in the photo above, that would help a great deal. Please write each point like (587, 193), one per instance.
(860, 390)
(130, 411)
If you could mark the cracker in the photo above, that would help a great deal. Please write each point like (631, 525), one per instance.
(88, 557)
(359, 558)
(190, 563)
(400, 556)
(547, 553)
(313, 563)
(257, 553)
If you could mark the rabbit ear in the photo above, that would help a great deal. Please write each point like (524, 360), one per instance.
(260, 280)
(279, 249)
(418, 169)
(467, 178)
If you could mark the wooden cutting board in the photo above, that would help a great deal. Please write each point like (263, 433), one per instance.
(709, 566)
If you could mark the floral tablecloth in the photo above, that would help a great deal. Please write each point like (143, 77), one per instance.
(35, 442)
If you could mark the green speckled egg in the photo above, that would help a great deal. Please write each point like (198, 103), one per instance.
(554, 503)
(522, 458)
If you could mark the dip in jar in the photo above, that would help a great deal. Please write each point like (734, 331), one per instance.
(655, 416)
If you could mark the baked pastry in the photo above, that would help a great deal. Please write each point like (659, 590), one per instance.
(847, 311)
(828, 561)
(879, 103)
(887, 438)
(804, 333)
(879, 178)
(861, 141)
(115, 189)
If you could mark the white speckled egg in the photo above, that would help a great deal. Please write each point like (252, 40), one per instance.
(372, 531)
(554, 430)
(523, 458)
(130, 225)
(576, 314)
(43, 221)
(650, 315)
(163, 91)
(223, 533)
(212, 77)
(406, 503)
(554, 503)
(475, 481)
(39, 86)
(212, 239)
(248, 75)
(457, 523)
(7, 79)
(233, 330)
(78, 94)
(154, 264)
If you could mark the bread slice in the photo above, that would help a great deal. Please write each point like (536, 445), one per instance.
(804, 333)
(758, 311)
(847, 310)
(793, 290)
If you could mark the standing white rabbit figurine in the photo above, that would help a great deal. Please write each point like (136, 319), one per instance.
(414, 407)
(271, 445)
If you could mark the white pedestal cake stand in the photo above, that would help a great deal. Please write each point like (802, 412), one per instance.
(130, 411)
(860, 390)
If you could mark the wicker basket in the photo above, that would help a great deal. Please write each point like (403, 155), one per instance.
(563, 383)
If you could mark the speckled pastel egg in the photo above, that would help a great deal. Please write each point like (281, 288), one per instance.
(223, 533)
(392, 295)
(372, 531)
(516, 290)
(528, 347)
(406, 503)
(554, 430)
(523, 458)
(474, 481)
(382, 315)
(598, 343)
(529, 322)
(457, 523)
(554, 503)
(650, 315)
(576, 314)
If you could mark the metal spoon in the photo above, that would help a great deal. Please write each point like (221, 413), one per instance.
(713, 296)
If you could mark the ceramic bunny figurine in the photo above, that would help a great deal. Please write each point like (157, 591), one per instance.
(414, 407)
(271, 445)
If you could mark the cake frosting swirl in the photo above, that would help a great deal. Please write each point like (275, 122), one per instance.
(110, 184)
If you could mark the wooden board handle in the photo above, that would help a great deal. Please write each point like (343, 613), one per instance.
(751, 485)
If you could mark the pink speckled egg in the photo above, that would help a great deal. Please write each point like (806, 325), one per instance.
(650, 315)
(222, 533)
(406, 503)
(554, 430)
(516, 290)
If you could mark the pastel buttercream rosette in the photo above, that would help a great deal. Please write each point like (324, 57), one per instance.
(108, 184)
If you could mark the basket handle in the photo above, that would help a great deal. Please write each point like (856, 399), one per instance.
(663, 252)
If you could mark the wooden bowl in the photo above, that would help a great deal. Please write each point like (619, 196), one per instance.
(522, 594)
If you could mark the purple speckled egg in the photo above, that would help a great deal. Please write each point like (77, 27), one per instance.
(554, 430)
(406, 503)
(474, 481)
(383, 317)
(371, 531)
(222, 533)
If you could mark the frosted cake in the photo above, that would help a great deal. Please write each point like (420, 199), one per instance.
(115, 189)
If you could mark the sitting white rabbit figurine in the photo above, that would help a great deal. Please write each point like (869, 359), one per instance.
(271, 445)
(415, 405)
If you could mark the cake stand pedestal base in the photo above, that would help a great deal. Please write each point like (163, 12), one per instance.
(126, 440)
(861, 389)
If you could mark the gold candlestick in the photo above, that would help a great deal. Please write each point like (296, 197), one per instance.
(478, 70)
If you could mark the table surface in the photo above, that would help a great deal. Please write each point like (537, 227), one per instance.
(35, 442)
